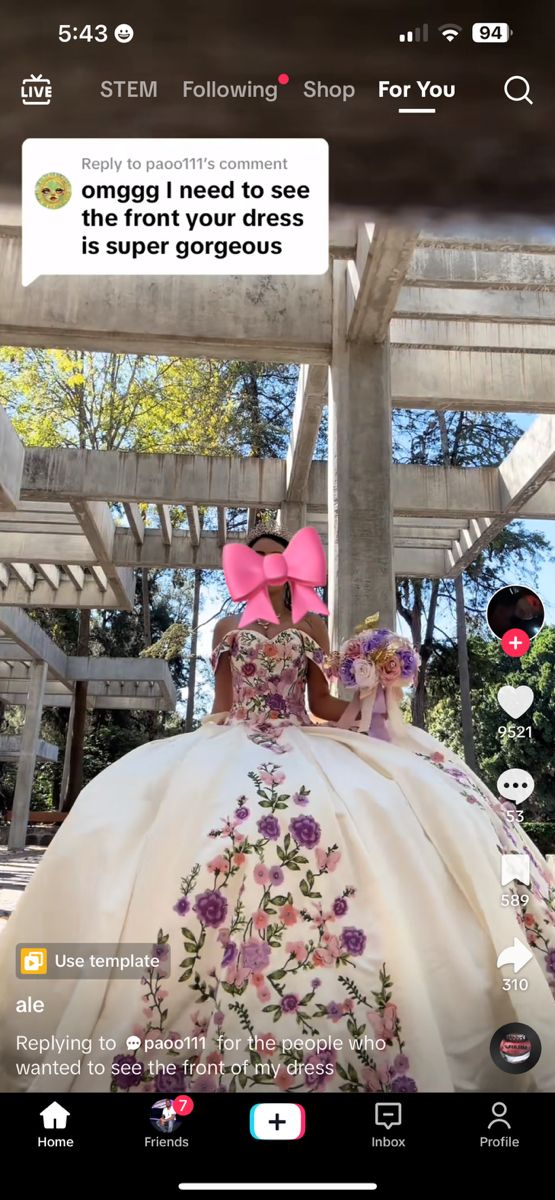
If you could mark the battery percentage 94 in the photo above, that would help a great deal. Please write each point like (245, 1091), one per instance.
(491, 33)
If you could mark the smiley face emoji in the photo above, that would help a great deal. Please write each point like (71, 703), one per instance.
(123, 33)
(53, 190)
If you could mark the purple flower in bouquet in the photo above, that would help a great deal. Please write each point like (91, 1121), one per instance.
(373, 640)
(347, 671)
(409, 661)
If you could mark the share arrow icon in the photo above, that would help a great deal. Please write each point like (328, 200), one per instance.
(516, 955)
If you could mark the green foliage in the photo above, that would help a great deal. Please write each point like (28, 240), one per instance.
(170, 645)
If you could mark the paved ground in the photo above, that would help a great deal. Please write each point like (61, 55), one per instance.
(16, 869)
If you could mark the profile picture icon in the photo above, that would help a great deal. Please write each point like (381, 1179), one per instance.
(163, 1115)
(515, 1048)
(515, 607)
(53, 190)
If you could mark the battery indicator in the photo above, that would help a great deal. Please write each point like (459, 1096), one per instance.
(491, 33)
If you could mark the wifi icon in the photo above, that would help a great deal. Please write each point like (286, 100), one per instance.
(450, 32)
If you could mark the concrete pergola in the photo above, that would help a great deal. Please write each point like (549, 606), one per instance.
(34, 672)
(401, 319)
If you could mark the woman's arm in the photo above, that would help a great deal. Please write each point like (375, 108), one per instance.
(321, 704)
(223, 692)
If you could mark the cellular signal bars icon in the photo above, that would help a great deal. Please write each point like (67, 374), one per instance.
(420, 34)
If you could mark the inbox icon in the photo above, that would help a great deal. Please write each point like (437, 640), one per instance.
(33, 960)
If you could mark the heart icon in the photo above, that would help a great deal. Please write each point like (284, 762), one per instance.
(515, 700)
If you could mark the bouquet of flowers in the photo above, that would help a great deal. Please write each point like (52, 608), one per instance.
(373, 662)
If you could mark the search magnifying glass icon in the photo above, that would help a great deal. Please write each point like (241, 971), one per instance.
(515, 84)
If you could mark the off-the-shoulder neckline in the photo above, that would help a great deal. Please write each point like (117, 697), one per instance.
(291, 629)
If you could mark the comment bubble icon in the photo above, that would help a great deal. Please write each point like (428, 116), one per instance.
(515, 785)
(188, 206)
(133, 1042)
(388, 1113)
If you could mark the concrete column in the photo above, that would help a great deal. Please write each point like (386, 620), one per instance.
(292, 515)
(360, 502)
(67, 754)
(28, 755)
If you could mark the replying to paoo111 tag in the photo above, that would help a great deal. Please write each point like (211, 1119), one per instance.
(193, 206)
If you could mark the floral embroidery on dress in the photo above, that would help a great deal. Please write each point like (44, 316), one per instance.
(269, 678)
(275, 950)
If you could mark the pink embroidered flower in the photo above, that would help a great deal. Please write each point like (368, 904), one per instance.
(322, 958)
(529, 920)
(348, 1006)
(371, 1079)
(266, 1044)
(260, 919)
(239, 859)
(264, 994)
(297, 949)
(215, 1057)
(258, 979)
(283, 1079)
(223, 937)
(219, 865)
(261, 874)
(327, 862)
(333, 945)
(376, 1021)
(390, 1018)
(289, 915)
(276, 778)
(437, 756)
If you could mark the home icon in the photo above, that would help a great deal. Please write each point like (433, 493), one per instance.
(55, 1116)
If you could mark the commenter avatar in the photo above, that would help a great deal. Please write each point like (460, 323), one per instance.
(53, 190)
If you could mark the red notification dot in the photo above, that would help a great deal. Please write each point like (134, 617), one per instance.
(283, 78)
(515, 642)
(183, 1105)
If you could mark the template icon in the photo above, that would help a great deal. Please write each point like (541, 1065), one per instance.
(515, 866)
(277, 1122)
(33, 960)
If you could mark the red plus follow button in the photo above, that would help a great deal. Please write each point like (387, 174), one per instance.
(515, 642)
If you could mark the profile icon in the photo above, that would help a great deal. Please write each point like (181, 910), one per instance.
(163, 1115)
(515, 607)
(53, 190)
(515, 1048)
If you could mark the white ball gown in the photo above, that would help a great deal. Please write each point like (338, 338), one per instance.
(330, 904)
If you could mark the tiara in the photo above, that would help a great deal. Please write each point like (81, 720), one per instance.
(266, 529)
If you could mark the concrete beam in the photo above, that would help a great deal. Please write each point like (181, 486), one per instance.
(374, 279)
(447, 267)
(453, 304)
(193, 518)
(24, 573)
(75, 574)
(12, 454)
(269, 318)
(136, 522)
(472, 379)
(311, 396)
(165, 524)
(222, 526)
(50, 547)
(39, 646)
(50, 573)
(10, 750)
(66, 596)
(473, 335)
(530, 464)
(99, 529)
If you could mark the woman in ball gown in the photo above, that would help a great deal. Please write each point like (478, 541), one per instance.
(325, 907)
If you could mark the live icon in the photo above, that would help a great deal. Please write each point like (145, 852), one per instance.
(36, 89)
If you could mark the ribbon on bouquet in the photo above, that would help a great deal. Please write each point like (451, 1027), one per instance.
(367, 711)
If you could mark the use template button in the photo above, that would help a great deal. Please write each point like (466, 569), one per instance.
(277, 1122)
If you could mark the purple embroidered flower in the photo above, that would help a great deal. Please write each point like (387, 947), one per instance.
(550, 961)
(160, 950)
(255, 955)
(124, 1080)
(230, 954)
(211, 908)
(321, 1062)
(401, 1064)
(171, 1081)
(353, 940)
(306, 831)
(219, 1018)
(403, 1083)
(276, 703)
(300, 799)
(340, 906)
(318, 655)
(334, 1011)
(315, 983)
(182, 907)
(248, 668)
(276, 875)
(289, 1003)
(242, 813)
(269, 827)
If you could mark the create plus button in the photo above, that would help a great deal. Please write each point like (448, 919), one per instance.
(277, 1122)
